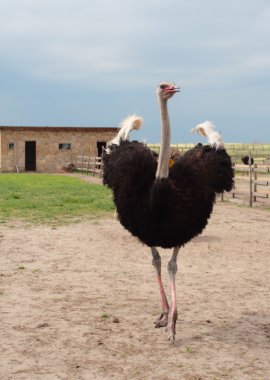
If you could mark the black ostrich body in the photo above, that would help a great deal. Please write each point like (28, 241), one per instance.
(165, 212)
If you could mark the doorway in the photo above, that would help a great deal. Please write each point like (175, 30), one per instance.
(100, 146)
(30, 155)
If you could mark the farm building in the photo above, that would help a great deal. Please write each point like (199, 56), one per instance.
(47, 149)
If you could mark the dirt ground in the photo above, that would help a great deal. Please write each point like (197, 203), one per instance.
(79, 302)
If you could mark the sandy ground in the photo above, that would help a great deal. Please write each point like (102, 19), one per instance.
(79, 302)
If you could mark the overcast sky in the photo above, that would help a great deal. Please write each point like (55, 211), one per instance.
(93, 62)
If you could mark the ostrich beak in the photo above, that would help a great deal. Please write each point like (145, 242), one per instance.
(173, 89)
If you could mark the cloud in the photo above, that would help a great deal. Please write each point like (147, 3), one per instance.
(218, 52)
(86, 41)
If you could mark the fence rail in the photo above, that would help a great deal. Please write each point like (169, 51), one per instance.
(251, 186)
(252, 182)
(89, 164)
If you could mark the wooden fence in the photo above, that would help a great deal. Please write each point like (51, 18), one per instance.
(252, 182)
(89, 164)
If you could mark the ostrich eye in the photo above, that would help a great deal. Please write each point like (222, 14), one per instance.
(163, 86)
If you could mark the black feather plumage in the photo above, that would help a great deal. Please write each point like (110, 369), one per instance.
(247, 160)
(165, 212)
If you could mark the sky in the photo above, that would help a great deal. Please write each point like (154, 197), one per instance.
(94, 62)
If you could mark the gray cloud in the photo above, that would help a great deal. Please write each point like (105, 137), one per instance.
(214, 50)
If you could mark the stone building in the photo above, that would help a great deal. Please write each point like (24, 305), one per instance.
(47, 149)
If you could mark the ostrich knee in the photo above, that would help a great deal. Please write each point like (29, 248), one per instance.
(156, 261)
(172, 264)
(172, 269)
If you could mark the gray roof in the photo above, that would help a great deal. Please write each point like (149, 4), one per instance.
(57, 128)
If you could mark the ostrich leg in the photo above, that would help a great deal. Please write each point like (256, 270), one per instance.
(172, 269)
(163, 319)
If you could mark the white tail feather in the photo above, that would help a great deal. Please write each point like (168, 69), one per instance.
(208, 130)
(126, 126)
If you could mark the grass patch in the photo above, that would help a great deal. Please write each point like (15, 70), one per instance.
(20, 267)
(104, 316)
(190, 350)
(51, 199)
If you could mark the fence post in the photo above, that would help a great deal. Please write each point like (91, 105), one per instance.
(82, 162)
(255, 185)
(94, 171)
(88, 162)
(101, 168)
(250, 180)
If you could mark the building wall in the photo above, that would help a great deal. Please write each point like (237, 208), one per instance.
(49, 158)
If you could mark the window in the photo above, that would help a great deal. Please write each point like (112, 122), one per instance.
(65, 146)
(10, 146)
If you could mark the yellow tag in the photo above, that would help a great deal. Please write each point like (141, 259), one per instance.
(171, 162)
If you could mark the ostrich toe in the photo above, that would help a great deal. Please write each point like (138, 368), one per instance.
(162, 321)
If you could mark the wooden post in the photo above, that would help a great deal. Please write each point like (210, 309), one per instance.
(250, 180)
(101, 168)
(255, 176)
(233, 192)
(94, 171)
(88, 162)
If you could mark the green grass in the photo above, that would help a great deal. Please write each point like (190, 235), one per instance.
(52, 199)
(104, 316)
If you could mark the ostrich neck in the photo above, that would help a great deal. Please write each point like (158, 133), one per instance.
(164, 154)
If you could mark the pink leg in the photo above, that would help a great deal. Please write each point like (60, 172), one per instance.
(163, 319)
(172, 269)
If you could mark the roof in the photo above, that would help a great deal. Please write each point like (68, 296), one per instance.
(58, 128)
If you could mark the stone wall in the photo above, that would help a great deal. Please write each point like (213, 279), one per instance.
(49, 158)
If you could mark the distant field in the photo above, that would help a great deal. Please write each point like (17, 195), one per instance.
(41, 198)
(236, 150)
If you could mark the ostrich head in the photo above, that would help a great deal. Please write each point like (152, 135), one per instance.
(166, 90)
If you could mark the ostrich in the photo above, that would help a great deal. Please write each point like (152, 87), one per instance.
(165, 205)
(247, 160)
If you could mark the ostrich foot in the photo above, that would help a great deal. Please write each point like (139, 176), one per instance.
(171, 325)
(162, 321)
